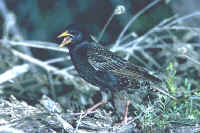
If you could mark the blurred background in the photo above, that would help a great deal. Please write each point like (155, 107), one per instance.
(43, 20)
(164, 38)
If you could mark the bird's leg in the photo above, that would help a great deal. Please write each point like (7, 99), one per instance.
(124, 121)
(103, 101)
(94, 107)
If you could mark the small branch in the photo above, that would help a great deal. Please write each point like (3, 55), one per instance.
(13, 73)
(42, 64)
(106, 25)
(55, 109)
(181, 19)
(191, 59)
(60, 59)
(35, 44)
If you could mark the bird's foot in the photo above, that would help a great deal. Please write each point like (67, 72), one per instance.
(94, 107)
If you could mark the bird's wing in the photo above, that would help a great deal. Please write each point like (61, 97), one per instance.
(104, 60)
(128, 74)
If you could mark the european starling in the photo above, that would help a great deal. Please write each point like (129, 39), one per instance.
(101, 67)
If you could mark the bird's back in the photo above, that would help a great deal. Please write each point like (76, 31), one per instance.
(127, 75)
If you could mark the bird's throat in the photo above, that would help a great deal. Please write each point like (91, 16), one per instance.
(78, 53)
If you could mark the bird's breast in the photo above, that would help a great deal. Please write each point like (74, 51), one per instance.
(98, 78)
(80, 61)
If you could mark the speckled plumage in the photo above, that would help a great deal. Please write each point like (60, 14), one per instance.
(126, 74)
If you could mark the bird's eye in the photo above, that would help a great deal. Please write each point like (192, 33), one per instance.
(76, 35)
(73, 33)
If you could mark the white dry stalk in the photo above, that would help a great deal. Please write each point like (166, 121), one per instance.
(36, 44)
(67, 76)
(68, 127)
(9, 129)
(133, 20)
(50, 105)
(42, 64)
(165, 25)
(55, 109)
(14, 72)
(120, 9)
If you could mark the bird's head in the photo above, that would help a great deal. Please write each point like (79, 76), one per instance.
(73, 35)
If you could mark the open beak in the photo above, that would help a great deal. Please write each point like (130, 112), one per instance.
(67, 39)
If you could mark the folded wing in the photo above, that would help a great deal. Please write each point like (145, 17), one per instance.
(128, 74)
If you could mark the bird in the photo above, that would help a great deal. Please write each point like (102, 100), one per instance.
(103, 68)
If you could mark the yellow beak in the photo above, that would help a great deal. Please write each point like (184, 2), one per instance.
(64, 34)
(67, 39)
